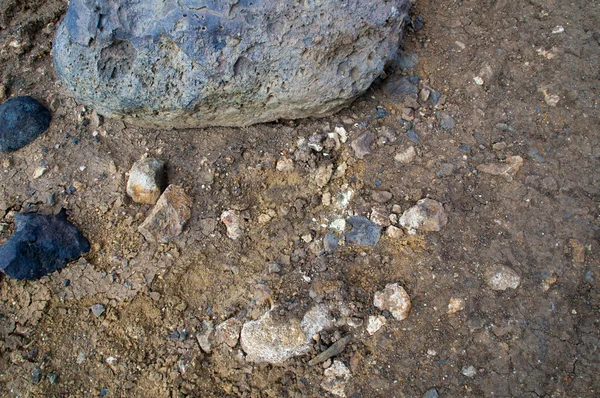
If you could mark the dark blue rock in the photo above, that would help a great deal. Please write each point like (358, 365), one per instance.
(446, 121)
(330, 242)
(363, 233)
(413, 136)
(434, 97)
(398, 89)
(22, 119)
(41, 245)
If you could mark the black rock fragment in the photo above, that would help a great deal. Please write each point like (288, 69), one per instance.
(41, 245)
(22, 119)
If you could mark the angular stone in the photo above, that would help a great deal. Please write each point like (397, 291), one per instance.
(393, 299)
(426, 215)
(22, 119)
(229, 63)
(234, 223)
(507, 170)
(399, 88)
(168, 217)
(41, 245)
(362, 145)
(406, 156)
(374, 323)
(146, 180)
(228, 332)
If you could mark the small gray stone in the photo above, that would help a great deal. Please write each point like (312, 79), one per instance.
(446, 121)
(36, 375)
(431, 393)
(445, 170)
(399, 88)
(363, 233)
(168, 217)
(98, 309)
(381, 196)
(469, 371)
(274, 268)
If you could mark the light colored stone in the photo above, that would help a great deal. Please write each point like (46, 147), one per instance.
(406, 156)
(455, 305)
(469, 371)
(336, 378)
(168, 217)
(146, 179)
(374, 323)
(40, 171)
(205, 337)
(393, 299)
(322, 175)
(380, 216)
(285, 165)
(499, 277)
(233, 222)
(316, 319)
(394, 232)
(426, 215)
(272, 340)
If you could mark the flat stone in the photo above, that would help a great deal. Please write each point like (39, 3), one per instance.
(393, 299)
(193, 64)
(469, 371)
(507, 169)
(446, 121)
(499, 277)
(394, 232)
(362, 145)
(406, 156)
(205, 336)
(335, 349)
(97, 310)
(41, 245)
(399, 88)
(363, 233)
(381, 196)
(22, 119)
(168, 217)
(146, 180)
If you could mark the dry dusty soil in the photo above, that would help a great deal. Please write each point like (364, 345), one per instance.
(516, 78)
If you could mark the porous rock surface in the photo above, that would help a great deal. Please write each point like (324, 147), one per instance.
(198, 63)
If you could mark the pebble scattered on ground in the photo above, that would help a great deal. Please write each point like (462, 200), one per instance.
(168, 217)
(22, 120)
(393, 299)
(362, 145)
(406, 156)
(146, 180)
(507, 169)
(500, 277)
(431, 393)
(456, 305)
(469, 371)
(40, 245)
(97, 310)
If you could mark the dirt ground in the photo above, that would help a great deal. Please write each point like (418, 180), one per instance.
(518, 78)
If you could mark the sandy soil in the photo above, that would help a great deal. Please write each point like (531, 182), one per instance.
(517, 78)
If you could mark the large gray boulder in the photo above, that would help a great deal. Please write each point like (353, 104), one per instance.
(198, 63)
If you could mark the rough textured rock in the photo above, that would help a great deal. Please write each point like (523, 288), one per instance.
(393, 299)
(234, 223)
(374, 323)
(507, 170)
(168, 217)
(272, 340)
(146, 180)
(41, 245)
(230, 63)
(22, 119)
(426, 215)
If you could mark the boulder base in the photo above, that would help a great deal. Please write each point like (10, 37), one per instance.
(199, 63)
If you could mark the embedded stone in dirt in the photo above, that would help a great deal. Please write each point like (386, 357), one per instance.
(500, 277)
(97, 310)
(399, 88)
(431, 393)
(268, 339)
(406, 156)
(146, 180)
(41, 245)
(316, 319)
(362, 145)
(234, 223)
(393, 299)
(364, 232)
(426, 215)
(188, 64)
(169, 215)
(336, 378)
(507, 170)
(228, 332)
(22, 119)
